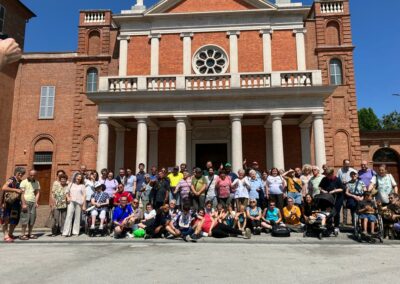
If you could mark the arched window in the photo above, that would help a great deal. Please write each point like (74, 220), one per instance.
(386, 155)
(91, 80)
(333, 33)
(2, 18)
(335, 70)
(94, 43)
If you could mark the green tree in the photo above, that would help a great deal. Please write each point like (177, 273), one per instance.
(391, 121)
(368, 120)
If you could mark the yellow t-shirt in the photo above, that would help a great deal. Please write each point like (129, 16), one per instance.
(293, 220)
(174, 180)
(290, 184)
(29, 188)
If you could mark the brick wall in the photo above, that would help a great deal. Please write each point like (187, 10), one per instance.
(139, 55)
(284, 54)
(250, 52)
(254, 145)
(209, 5)
(292, 146)
(171, 55)
(166, 146)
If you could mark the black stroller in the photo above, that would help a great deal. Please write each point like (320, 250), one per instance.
(314, 228)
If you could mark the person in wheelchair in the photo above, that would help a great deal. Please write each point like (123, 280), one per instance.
(367, 210)
(99, 201)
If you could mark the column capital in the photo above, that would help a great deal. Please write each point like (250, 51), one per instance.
(277, 115)
(236, 117)
(120, 129)
(141, 118)
(124, 37)
(154, 35)
(266, 31)
(187, 34)
(300, 31)
(181, 117)
(305, 125)
(233, 33)
(318, 115)
(103, 120)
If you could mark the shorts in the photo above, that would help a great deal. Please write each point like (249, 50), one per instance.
(371, 218)
(95, 212)
(297, 197)
(29, 216)
(11, 213)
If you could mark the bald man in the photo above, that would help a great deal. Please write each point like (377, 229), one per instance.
(9, 52)
(30, 197)
(366, 174)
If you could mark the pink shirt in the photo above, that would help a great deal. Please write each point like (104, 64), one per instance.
(77, 192)
(223, 187)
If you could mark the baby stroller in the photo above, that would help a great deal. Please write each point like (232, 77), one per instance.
(358, 231)
(314, 228)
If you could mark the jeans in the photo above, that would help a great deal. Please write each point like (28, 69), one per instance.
(187, 231)
(176, 197)
(198, 202)
(73, 212)
(278, 199)
(338, 208)
(297, 197)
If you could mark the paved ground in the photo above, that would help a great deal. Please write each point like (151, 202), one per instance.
(233, 260)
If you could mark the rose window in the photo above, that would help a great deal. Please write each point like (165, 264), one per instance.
(210, 60)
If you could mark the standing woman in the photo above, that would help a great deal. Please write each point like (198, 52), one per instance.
(242, 187)
(76, 197)
(276, 188)
(223, 188)
(58, 203)
(89, 185)
(305, 178)
(111, 186)
(256, 187)
(183, 189)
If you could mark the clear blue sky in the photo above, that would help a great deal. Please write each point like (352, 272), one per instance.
(376, 35)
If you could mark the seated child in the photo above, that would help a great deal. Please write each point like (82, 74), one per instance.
(367, 209)
(230, 216)
(241, 218)
(320, 216)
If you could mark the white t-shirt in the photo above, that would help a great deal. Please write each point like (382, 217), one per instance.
(89, 186)
(211, 190)
(275, 184)
(242, 188)
(129, 182)
(385, 187)
(149, 215)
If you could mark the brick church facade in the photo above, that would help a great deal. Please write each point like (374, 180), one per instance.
(192, 80)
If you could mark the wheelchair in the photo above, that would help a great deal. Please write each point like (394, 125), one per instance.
(95, 232)
(358, 231)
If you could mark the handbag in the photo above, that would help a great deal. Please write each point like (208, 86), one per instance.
(50, 222)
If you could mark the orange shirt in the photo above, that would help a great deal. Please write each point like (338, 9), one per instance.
(295, 218)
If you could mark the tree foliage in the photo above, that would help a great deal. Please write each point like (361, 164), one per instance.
(391, 121)
(368, 120)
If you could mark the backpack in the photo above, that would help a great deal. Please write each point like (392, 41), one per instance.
(280, 232)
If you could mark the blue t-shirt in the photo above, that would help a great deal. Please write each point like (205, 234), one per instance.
(120, 214)
(272, 215)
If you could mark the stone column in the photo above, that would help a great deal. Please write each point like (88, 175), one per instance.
(301, 49)
(102, 145)
(234, 53)
(187, 53)
(305, 143)
(119, 148)
(319, 139)
(237, 148)
(155, 50)
(268, 141)
(267, 49)
(141, 144)
(123, 55)
(153, 147)
(189, 146)
(277, 141)
(180, 153)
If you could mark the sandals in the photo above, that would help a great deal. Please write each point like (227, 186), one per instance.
(24, 238)
(8, 240)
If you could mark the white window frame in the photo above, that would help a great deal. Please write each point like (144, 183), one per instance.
(92, 86)
(336, 72)
(47, 102)
(2, 20)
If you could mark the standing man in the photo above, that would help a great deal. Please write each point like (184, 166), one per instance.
(30, 201)
(228, 170)
(153, 173)
(11, 204)
(130, 182)
(159, 193)
(344, 175)
(366, 174)
(121, 179)
(209, 165)
(183, 168)
(199, 183)
(140, 179)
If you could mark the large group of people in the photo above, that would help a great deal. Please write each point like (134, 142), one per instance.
(190, 204)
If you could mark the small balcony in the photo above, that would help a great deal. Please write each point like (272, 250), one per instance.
(289, 79)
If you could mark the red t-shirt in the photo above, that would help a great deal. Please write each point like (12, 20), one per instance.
(207, 224)
(117, 196)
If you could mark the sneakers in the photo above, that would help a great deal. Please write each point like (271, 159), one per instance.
(247, 233)
(92, 227)
(101, 228)
(130, 235)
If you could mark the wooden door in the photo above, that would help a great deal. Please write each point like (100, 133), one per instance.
(44, 178)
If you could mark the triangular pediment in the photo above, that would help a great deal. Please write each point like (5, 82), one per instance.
(203, 6)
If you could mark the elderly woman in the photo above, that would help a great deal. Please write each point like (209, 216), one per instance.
(111, 185)
(306, 175)
(256, 186)
(384, 184)
(355, 189)
(76, 197)
(100, 201)
(254, 214)
(276, 188)
(223, 187)
(183, 188)
(58, 203)
(315, 180)
(241, 186)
